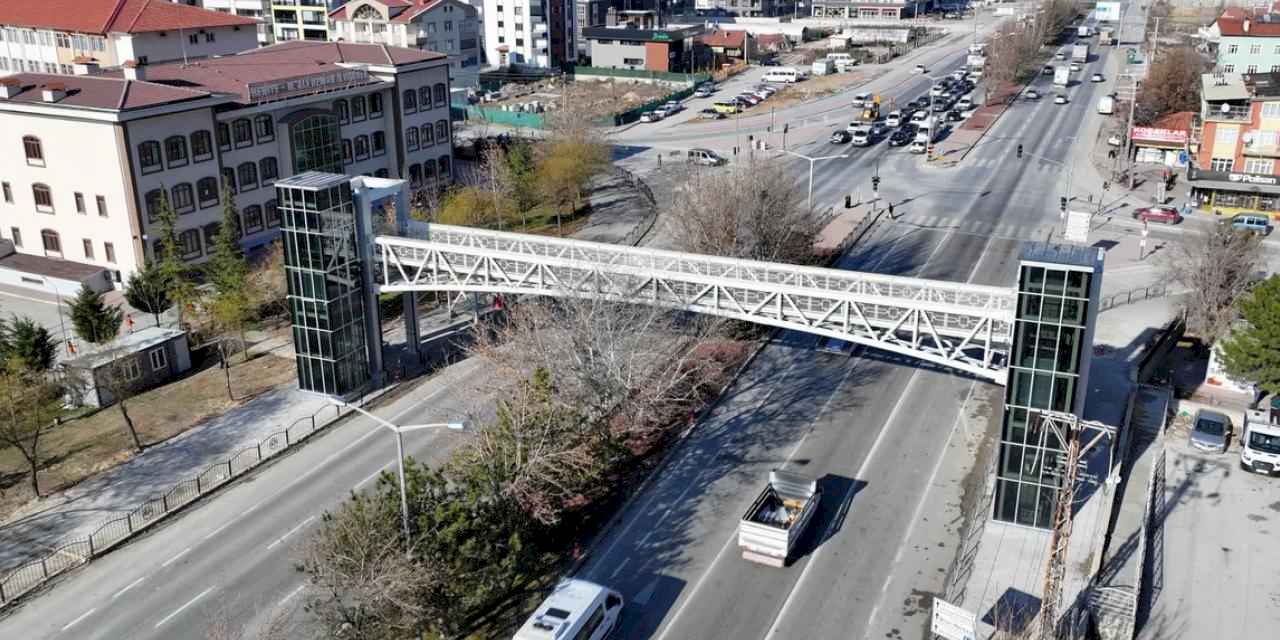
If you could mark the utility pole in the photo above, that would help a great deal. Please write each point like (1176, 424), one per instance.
(1128, 131)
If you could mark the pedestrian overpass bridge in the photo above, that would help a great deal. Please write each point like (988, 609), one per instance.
(961, 326)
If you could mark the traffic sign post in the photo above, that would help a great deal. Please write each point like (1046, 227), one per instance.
(952, 622)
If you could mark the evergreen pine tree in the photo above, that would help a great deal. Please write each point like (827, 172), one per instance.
(92, 318)
(146, 291)
(30, 345)
(1252, 351)
(173, 270)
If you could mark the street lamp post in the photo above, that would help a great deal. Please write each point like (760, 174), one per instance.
(811, 163)
(399, 431)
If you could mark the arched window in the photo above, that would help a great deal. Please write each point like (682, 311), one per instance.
(268, 170)
(242, 132)
(154, 203)
(224, 136)
(149, 156)
(229, 179)
(252, 219)
(43, 197)
(410, 100)
(34, 150)
(415, 174)
(248, 174)
(207, 191)
(175, 151)
(347, 152)
(444, 166)
(428, 135)
(52, 243)
(182, 196)
(344, 113)
(442, 132)
(264, 128)
(272, 214)
(357, 108)
(375, 105)
(411, 139)
(441, 94)
(424, 98)
(428, 172)
(379, 140)
(201, 146)
(362, 147)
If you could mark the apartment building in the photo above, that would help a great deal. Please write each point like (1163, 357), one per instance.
(451, 27)
(863, 9)
(301, 19)
(1235, 167)
(746, 8)
(48, 36)
(530, 33)
(184, 131)
(257, 9)
(1247, 41)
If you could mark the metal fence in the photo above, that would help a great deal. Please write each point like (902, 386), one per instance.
(637, 233)
(73, 553)
(1158, 290)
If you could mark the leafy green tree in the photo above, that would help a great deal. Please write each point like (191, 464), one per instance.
(147, 291)
(5, 343)
(30, 346)
(228, 272)
(178, 284)
(93, 319)
(1252, 351)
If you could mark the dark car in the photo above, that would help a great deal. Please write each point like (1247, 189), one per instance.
(940, 105)
(840, 136)
(1167, 215)
(902, 136)
(954, 116)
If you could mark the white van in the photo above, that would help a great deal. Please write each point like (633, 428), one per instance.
(862, 100)
(1260, 444)
(839, 57)
(576, 609)
(783, 74)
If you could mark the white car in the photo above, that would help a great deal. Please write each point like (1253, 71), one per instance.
(937, 90)
(853, 127)
(651, 116)
(672, 107)
(918, 147)
(1075, 67)
(1031, 94)
(920, 69)
(965, 103)
(894, 119)
(1060, 99)
(1097, 77)
(862, 100)
(1114, 140)
(861, 137)
(920, 116)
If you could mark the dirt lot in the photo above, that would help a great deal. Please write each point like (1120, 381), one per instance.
(822, 86)
(84, 446)
(600, 98)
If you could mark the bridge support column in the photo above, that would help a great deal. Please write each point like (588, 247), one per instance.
(411, 335)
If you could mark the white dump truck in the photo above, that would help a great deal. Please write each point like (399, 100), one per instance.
(771, 527)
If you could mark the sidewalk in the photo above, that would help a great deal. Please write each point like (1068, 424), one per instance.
(36, 529)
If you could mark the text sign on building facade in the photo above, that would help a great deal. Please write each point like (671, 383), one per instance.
(1152, 134)
(952, 622)
(1240, 178)
(277, 89)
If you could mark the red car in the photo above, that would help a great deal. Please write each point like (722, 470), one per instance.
(1167, 215)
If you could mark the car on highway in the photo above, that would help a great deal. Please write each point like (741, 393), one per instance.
(918, 146)
(1061, 98)
(1031, 94)
(917, 104)
(1097, 77)
(920, 116)
(920, 69)
(1252, 222)
(940, 105)
(671, 108)
(705, 157)
(1160, 213)
(1061, 55)
(959, 74)
(894, 119)
(1048, 70)
(710, 114)
(1210, 431)
(954, 115)
(902, 136)
(575, 609)
(862, 137)
(965, 103)
(937, 90)
(1075, 67)
(862, 100)
(651, 116)
(840, 136)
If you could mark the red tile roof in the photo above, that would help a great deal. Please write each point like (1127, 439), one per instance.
(399, 10)
(113, 16)
(99, 92)
(730, 39)
(1179, 121)
(1234, 27)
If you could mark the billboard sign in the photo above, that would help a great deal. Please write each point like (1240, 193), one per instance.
(1153, 134)
(310, 83)
(1107, 12)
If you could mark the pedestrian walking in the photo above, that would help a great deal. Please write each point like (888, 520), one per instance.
(891, 211)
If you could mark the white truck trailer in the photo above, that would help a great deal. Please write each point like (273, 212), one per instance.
(1062, 75)
(771, 527)
(1080, 53)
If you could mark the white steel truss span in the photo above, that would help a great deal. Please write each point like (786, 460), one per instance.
(966, 327)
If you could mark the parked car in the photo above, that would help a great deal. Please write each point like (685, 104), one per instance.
(651, 116)
(703, 92)
(1210, 431)
(1160, 213)
(711, 114)
(705, 157)
(672, 107)
(1114, 140)
(1031, 94)
(751, 98)
(1061, 98)
(840, 136)
(918, 147)
(1253, 223)
(1097, 77)
(894, 119)
(902, 136)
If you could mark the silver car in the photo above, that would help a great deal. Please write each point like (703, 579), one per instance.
(1210, 430)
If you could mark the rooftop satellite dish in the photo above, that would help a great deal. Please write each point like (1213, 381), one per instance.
(1226, 108)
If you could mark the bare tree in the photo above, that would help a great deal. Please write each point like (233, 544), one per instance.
(1172, 85)
(120, 386)
(29, 404)
(754, 210)
(1216, 266)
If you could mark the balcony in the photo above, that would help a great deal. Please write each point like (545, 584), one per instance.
(1226, 112)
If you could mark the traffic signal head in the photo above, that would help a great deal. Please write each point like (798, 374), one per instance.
(1106, 186)
(875, 182)
(1019, 151)
(1062, 203)
(848, 202)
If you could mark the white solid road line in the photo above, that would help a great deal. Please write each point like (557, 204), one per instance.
(82, 617)
(293, 593)
(366, 480)
(131, 585)
(290, 532)
(175, 558)
(183, 607)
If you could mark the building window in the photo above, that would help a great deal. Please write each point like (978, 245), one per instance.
(130, 369)
(155, 203)
(248, 174)
(1221, 164)
(194, 38)
(101, 201)
(379, 143)
(1253, 68)
(175, 151)
(357, 109)
(17, 236)
(444, 166)
(34, 150)
(1258, 165)
(229, 179)
(1255, 49)
(79, 203)
(381, 173)
(1228, 68)
(8, 192)
(424, 98)
(415, 175)
(1226, 135)
(207, 192)
(201, 146)
(1233, 48)
(441, 94)
(157, 358)
(242, 131)
(43, 197)
(316, 144)
(149, 156)
(183, 198)
(210, 36)
(268, 170)
(362, 147)
(211, 234)
(88, 248)
(52, 243)
(264, 128)
(428, 135)
(347, 153)
(1271, 109)
(109, 251)
(411, 139)
(375, 105)
(410, 101)
(344, 111)
(442, 132)
(272, 214)
(252, 219)
(428, 172)
(189, 243)
(224, 136)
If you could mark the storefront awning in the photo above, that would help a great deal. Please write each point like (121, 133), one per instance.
(1160, 144)
(1227, 185)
